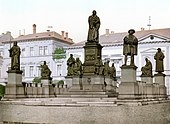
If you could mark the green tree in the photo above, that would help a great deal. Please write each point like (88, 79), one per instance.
(59, 53)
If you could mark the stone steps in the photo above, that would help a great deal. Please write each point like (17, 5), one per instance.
(82, 96)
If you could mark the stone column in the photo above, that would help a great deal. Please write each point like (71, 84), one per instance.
(128, 87)
(14, 88)
(160, 79)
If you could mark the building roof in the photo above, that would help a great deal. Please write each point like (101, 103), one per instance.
(42, 35)
(117, 38)
(5, 37)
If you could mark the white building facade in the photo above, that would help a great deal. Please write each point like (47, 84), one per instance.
(149, 41)
(36, 48)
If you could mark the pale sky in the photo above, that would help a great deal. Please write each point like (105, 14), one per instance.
(72, 15)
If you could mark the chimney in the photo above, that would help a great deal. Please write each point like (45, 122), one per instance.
(107, 32)
(142, 29)
(62, 34)
(66, 35)
(112, 32)
(34, 28)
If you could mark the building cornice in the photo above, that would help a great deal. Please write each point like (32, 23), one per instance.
(120, 44)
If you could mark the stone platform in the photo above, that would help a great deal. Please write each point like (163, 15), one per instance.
(85, 111)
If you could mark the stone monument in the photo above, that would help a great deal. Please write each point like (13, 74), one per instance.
(14, 87)
(128, 87)
(160, 76)
(70, 70)
(92, 79)
(45, 79)
(147, 78)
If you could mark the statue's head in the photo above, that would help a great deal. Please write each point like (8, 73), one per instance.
(131, 31)
(112, 64)
(44, 62)
(77, 59)
(159, 49)
(71, 55)
(146, 59)
(94, 12)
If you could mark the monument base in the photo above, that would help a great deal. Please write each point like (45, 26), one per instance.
(69, 81)
(128, 90)
(147, 79)
(14, 88)
(46, 87)
(128, 73)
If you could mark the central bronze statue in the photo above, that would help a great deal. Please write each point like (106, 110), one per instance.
(15, 56)
(130, 46)
(94, 25)
(92, 49)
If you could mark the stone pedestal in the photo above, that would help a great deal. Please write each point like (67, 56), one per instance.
(76, 83)
(92, 51)
(46, 87)
(129, 87)
(149, 90)
(111, 87)
(93, 83)
(128, 73)
(69, 81)
(160, 79)
(14, 88)
(147, 79)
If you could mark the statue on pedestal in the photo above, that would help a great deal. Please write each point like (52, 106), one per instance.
(159, 56)
(77, 67)
(45, 71)
(94, 25)
(147, 69)
(130, 46)
(15, 53)
(70, 65)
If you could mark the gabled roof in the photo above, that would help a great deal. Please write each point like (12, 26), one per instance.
(43, 35)
(116, 38)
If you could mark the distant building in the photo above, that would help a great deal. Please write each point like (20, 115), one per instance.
(149, 41)
(3, 37)
(36, 48)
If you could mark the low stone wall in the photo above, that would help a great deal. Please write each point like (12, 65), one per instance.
(60, 114)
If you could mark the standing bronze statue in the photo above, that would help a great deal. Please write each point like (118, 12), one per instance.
(94, 25)
(159, 56)
(130, 46)
(45, 71)
(15, 56)
(147, 69)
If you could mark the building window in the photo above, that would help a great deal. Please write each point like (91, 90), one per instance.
(31, 71)
(38, 71)
(43, 50)
(23, 52)
(58, 70)
(23, 71)
(31, 51)
(40, 50)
